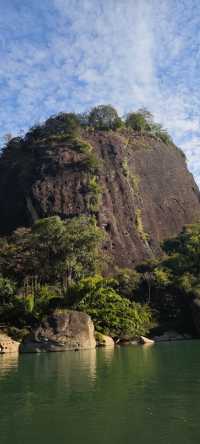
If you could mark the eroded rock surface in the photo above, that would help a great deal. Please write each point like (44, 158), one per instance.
(147, 193)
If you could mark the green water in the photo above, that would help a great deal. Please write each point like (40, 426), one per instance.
(128, 395)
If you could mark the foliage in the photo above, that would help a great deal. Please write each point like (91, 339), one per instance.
(53, 250)
(94, 191)
(60, 258)
(111, 313)
(183, 259)
(92, 164)
(104, 117)
(127, 282)
(139, 225)
(142, 121)
(81, 146)
(7, 290)
(171, 283)
(63, 124)
(137, 121)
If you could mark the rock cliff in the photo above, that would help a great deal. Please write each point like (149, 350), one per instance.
(138, 187)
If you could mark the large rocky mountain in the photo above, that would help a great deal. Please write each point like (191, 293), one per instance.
(137, 186)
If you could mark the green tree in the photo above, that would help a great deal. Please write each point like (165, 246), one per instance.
(111, 313)
(7, 291)
(183, 259)
(104, 117)
(143, 122)
(126, 282)
(53, 250)
(137, 121)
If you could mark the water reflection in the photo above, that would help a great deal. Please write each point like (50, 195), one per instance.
(113, 396)
(8, 362)
(107, 354)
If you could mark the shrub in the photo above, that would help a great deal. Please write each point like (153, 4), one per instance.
(139, 225)
(92, 164)
(94, 191)
(81, 146)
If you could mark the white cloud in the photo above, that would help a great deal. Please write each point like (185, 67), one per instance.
(72, 54)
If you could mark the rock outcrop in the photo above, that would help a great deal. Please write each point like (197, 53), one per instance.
(146, 341)
(138, 187)
(60, 331)
(104, 340)
(8, 345)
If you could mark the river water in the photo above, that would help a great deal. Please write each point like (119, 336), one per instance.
(132, 394)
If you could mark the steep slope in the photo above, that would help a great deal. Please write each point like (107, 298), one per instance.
(138, 187)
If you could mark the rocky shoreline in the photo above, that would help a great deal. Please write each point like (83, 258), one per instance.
(65, 330)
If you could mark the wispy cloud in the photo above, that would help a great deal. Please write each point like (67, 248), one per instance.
(71, 54)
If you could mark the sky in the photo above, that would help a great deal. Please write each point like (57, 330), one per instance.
(69, 55)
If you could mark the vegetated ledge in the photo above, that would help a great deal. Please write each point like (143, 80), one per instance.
(133, 181)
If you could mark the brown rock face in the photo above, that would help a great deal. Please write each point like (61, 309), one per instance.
(62, 330)
(147, 193)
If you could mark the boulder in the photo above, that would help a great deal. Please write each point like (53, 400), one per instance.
(8, 345)
(60, 331)
(146, 341)
(104, 340)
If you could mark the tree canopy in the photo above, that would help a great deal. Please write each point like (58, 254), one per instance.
(104, 117)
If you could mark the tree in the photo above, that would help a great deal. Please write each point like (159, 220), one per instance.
(183, 259)
(52, 251)
(147, 269)
(104, 117)
(137, 121)
(143, 122)
(111, 313)
(127, 282)
(67, 123)
(16, 255)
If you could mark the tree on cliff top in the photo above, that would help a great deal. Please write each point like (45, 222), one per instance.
(104, 117)
(142, 121)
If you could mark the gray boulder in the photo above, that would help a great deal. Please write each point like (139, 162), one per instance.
(61, 330)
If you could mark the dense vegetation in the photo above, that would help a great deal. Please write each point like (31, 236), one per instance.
(103, 117)
(59, 264)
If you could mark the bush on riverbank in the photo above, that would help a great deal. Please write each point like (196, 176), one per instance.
(55, 264)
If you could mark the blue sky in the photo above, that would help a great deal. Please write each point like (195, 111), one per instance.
(63, 55)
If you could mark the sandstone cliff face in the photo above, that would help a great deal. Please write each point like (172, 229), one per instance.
(141, 192)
